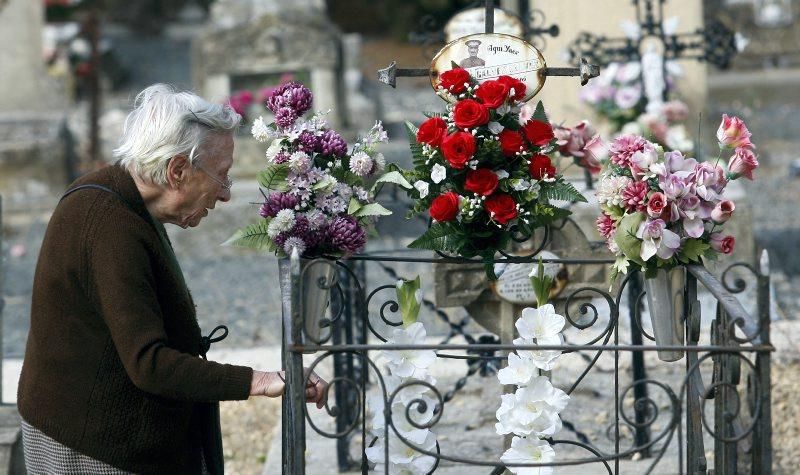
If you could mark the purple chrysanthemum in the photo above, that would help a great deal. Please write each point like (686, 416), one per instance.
(302, 229)
(331, 143)
(280, 239)
(281, 157)
(277, 201)
(345, 235)
(291, 94)
(307, 142)
(285, 116)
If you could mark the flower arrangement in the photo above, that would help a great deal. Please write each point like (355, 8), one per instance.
(665, 126)
(580, 143)
(315, 196)
(531, 413)
(409, 377)
(662, 209)
(248, 102)
(617, 95)
(481, 172)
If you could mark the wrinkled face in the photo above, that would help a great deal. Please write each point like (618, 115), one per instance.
(206, 181)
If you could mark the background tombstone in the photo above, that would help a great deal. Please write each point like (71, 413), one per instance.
(31, 109)
(241, 51)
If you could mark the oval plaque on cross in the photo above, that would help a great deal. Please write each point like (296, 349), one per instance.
(491, 55)
(514, 283)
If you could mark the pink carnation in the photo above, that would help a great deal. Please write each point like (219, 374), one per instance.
(634, 197)
(624, 147)
(606, 225)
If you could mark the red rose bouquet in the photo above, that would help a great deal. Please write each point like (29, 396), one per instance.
(481, 173)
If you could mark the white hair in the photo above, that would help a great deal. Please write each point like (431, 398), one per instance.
(165, 123)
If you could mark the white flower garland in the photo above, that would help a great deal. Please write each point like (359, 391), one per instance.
(531, 413)
(405, 366)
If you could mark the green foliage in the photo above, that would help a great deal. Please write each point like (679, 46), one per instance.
(563, 191)
(438, 237)
(253, 236)
(393, 177)
(274, 177)
(692, 250)
(372, 209)
(541, 284)
(409, 298)
(626, 238)
(540, 114)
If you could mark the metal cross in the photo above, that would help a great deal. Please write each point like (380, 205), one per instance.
(714, 44)
(584, 70)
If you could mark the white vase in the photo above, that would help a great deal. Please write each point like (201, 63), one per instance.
(316, 281)
(666, 305)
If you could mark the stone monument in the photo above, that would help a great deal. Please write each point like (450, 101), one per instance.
(31, 108)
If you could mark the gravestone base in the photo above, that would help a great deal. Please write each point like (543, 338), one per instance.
(32, 160)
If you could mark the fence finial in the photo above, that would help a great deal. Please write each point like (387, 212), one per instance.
(763, 263)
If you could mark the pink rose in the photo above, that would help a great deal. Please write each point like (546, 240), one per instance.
(723, 211)
(732, 133)
(742, 163)
(723, 244)
(656, 204)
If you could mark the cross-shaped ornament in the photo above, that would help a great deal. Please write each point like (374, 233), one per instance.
(533, 64)
(654, 45)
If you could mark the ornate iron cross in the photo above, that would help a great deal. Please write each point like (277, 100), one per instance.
(714, 44)
(584, 70)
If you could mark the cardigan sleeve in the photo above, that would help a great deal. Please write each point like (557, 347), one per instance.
(122, 281)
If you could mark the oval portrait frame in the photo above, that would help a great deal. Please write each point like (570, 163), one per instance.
(531, 63)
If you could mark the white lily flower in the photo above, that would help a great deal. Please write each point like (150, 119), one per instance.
(403, 460)
(422, 187)
(519, 371)
(532, 410)
(529, 450)
(542, 359)
(408, 363)
(540, 322)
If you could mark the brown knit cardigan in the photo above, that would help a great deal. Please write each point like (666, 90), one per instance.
(111, 366)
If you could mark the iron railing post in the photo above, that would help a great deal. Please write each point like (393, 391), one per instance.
(762, 435)
(642, 430)
(695, 450)
(293, 405)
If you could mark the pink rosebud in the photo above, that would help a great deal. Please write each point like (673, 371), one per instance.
(596, 149)
(723, 244)
(732, 133)
(656, 204)
(742, 163)
(723, 211)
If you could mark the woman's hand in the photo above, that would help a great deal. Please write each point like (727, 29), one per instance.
(273, 383)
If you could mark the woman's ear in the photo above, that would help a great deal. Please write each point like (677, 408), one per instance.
(178, 171)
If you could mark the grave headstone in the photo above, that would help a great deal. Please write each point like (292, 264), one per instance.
(31, 109)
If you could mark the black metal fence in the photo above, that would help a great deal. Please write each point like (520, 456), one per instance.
(719, 405)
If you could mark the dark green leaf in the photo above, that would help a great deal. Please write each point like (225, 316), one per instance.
(274, 177)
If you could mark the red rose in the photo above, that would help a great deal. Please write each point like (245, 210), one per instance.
(501, 208)
(454, 80)
(445, 207)
(469, 114)
(511, 142)
(541, 166)
(481, 181)
(515, 84)
(492, 93)
(458, 148)
(538, 133)
(432, 131)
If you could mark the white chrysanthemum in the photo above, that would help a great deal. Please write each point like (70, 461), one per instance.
(518, 372)
(282, 222)
(361, 164)
(292, 243)
(610, 188)
(542, 322)
(529, 450)
(423, 187)
(260, 131)
(300, 162)
(438, 173)
(408, 363)
(402, 458)
(542, 359)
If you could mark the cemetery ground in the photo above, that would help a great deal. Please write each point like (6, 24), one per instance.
(239, 289)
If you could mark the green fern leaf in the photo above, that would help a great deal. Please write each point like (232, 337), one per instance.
(253, 236)
(437, 238)
(274, 177)
(562, 191)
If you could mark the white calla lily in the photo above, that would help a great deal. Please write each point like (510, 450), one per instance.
(540, 322)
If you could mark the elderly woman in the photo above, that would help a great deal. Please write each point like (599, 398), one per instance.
(113, 381)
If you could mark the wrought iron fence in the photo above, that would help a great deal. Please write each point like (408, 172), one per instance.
(730, 366)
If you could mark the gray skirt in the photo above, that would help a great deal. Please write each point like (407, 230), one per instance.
(46, 456)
